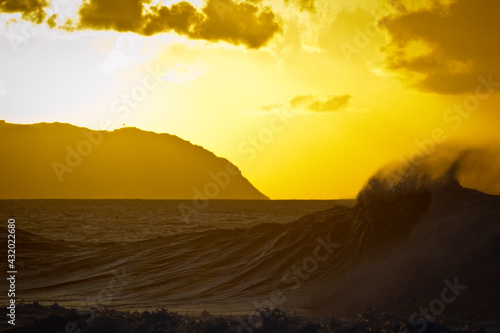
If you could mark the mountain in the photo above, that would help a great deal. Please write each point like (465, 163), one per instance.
(55, 160)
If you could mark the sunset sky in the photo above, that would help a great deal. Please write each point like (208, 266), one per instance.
(307, 97)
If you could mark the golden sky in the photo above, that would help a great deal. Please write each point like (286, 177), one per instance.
(307, 97)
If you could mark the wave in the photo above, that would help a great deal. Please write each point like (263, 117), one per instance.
(453, 237)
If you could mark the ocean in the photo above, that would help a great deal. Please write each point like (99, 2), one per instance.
(70, 251)
(419, 250)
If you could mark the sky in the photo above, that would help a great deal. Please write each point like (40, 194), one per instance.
(308, 98)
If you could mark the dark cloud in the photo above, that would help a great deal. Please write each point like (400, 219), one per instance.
(181, 18)
(116, 15)
(313, 103)
(220, 20)
(461, 39)
(32, 10)
(244, 23)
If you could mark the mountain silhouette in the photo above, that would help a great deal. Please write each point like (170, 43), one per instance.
(62, 161)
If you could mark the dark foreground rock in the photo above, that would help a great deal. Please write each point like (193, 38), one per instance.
(55, 319)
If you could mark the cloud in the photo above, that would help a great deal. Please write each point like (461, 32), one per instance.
(127, 50)
(243, 23)
(305, 5)
(335, 103)
(443, 48)
(107, 15)
(311, 103)
(240, 23)
(31, 10)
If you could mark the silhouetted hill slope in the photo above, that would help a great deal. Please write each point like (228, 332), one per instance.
(64, 161)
